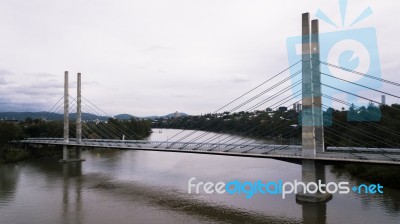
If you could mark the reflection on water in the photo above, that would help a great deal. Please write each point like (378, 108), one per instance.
(71, 210)
(390, 200)
(118, 186)
(9, 176)
(313, 212)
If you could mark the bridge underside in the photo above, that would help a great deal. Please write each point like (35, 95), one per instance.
(283, 152)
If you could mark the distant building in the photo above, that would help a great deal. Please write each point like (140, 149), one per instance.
(383, 99)
(282, 109)
(298, 107)
(10, 121)
(177, 114)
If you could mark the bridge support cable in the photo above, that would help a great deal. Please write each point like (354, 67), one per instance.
(238, 98)
(276, 95)
(360, 73)
(288, 134)
(365, 98)
(350, 140)
(384, 117)
(72, 107)
(268, 90)
(240, 143)
(55, 107)
(355, 143)
(350, 152)
(73, 130)
(252, 141)
(340, 101)
(364, 134)
(236, 125)
(368, 134)
(114, 132)
(263, 83)
(85, 128)
(366, 87)
(248, 101)
(131, 132)
(360, 144)
(253, 108)
(274, 106)
(230, 138)
(73, 100)
(87, 124)
(250, 137)
(109, 130)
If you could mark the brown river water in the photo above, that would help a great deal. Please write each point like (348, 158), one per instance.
(127, 186)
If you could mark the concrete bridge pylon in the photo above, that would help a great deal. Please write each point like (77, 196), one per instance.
(311, 114)
(66, 156)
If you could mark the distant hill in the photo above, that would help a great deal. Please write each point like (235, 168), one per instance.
(85, 116)
(179, 114)
(128, 116)
(124, 116)
(48, 116)
(24, 115)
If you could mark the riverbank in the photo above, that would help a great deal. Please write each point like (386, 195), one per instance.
(12, 154)
(388, 176)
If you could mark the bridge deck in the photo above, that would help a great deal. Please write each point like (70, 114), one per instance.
(344, 154)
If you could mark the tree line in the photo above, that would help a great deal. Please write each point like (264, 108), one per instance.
(369, 126)
(35, 128)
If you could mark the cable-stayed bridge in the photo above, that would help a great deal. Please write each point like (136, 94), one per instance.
(344, 154)
(116, 135)
(300, 85)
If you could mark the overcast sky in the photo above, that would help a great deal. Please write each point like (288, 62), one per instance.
(154, 57)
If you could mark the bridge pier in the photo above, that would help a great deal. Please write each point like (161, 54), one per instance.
(313, 172)
(313, 212)
(312, 122)
(66, 155)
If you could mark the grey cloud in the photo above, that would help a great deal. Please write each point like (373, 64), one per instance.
(157, 47)
(35, 92)
(36, 87)
(239, 80)
(4, 72)
(25, 97)
(41, 74)
(179, 96)
(160, 52)
(90, 83)
(23, 102)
